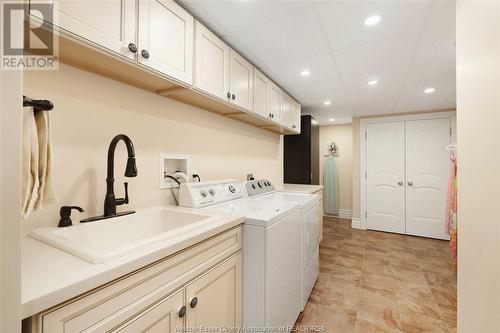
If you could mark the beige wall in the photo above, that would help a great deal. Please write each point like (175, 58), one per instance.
(90, 110)
(342, 136)
(478, 121)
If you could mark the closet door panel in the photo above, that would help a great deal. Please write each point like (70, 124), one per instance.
(385, 192)
(427, 168)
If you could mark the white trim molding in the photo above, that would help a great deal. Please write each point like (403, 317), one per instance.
(345, 214)
(356, 224)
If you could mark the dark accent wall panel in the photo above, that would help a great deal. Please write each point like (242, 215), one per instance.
(299, 167)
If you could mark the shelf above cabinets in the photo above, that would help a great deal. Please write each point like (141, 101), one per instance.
(158, 46)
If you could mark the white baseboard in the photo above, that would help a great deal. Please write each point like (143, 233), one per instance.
(345, 214)
(356, 224)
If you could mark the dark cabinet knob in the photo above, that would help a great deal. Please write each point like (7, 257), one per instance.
(132, 47)
(228, 94)
(293, 126)
(233, 97)
(145, 54)
(182, 311)
(193, 302)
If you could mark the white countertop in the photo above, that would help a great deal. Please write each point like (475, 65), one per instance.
(302, 188)
(51, 276)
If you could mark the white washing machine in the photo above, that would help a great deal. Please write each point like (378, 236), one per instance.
(272, 297)
(263, 191)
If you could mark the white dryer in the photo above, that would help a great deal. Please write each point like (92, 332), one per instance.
(264, 191)
(272, 297)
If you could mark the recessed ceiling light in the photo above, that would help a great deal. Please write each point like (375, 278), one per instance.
(331, 119)
(372, 20)
(372, 82)
(305, 72)
(327, 102)
(429, 90)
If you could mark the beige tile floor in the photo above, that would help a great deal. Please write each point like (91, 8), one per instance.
(380, 282)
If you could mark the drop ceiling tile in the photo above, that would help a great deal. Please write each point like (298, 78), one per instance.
(344, 20)
(443, 14)
(437, 48)
(303, 35)
(373, 58)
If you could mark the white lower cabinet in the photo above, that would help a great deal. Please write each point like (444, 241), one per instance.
(164, 317)
(197, 287)
(214, 299)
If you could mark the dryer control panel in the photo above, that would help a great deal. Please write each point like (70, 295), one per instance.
(253, 188)
(204, 194)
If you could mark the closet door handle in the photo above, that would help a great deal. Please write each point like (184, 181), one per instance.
(400, 183)
(410, 183)
(228, 94)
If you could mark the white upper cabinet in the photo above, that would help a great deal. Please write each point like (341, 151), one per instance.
(166, 38)
(260, 93)
(274, 102)
(296, 115)
(110, 24)
(286, 110)
(241, 81)
(211, 63)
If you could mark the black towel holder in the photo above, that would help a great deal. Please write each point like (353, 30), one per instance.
(38, 104)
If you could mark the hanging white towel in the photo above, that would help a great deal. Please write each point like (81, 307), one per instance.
(37, 161)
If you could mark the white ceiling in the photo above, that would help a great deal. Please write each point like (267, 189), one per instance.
(412, 48)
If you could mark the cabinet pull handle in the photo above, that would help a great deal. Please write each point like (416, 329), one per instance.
(132, 47)
(145, 54)
(410, 183)
(400, 183)
(182, 311)
(193, 302)
(228, 94)
(233, 97)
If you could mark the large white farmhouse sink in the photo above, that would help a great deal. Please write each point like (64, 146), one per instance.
(105, 240)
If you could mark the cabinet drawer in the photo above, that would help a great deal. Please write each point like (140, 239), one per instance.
(104, 308)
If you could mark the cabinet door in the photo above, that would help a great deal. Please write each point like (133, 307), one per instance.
(385, 167)
(427, 170)
(110, 24)
(260, 93)
(286, 111)
(275, 102)
(162, 317)
(218, 295)
(241, 81)
(211, 73)
(296, 116)
(166, 34)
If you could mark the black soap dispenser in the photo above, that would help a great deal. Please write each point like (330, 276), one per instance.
(65, 214)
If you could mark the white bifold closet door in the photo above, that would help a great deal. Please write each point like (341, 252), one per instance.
(427, 171)
(407, 169)
(385, 174)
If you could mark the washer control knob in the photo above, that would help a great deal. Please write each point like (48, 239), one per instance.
(203, 193)
(211, 191)
(259, 184)
(232, 188)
